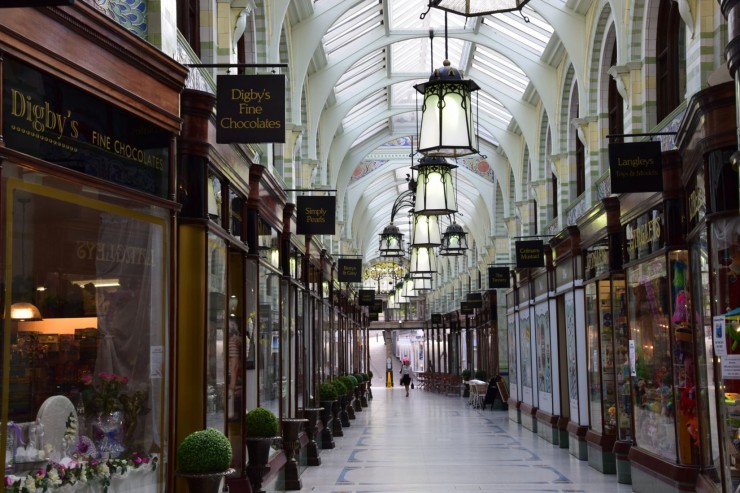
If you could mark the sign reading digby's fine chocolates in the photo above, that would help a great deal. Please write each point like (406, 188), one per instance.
(250, 109)
(315, 215)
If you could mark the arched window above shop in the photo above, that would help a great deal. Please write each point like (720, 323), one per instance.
(616, 103)
(670, 59)
(188, 23)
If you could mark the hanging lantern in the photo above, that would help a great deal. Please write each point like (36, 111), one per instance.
(391, 242)
(435, 191)
(447, 127)
(422, 283)
(426, 231)
(423, 260)
(409, 290)
(391, 302)
(476, 8)
(454, 241)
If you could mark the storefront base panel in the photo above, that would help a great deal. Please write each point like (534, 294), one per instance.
(601, 452)
(547, 427)
(515, 413)
(529, 419)
(601, 460)
(577, 441)
(624, 467)
(563, 439)
(651, 474)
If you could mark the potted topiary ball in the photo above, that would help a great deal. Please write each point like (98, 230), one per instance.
(203, 459)
(261, 432)
(328, 399)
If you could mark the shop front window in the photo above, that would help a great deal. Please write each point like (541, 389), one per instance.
(215, 334)
(269, 339)
(725, 276)
(706, 382)
(93, 267)
(622, 368)
(649, 318)
(594, 368)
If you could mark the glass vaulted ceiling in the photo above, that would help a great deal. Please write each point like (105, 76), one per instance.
(399, 49)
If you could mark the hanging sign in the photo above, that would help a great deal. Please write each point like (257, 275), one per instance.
(250, 108)
(377, 306)
(436, 318)
(315, 215)
(635, 167)
(499, 278)
(529, 254)
(349, 270)
(475, 300)
(366, 297)
(466, 308)
(372, 317)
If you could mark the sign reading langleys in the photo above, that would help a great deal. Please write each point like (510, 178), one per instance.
(250, 109)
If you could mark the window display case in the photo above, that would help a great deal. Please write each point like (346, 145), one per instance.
(600, 328)
(87, 362)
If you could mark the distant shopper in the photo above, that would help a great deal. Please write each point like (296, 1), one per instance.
(492, 391)
(406, 373)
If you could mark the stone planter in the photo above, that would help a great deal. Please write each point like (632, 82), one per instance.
(343, 413)
(336, 422)
(357, 402)
(312, 450)
(327, 437)
(350, 406)
(291, 446)
(258, 450)
(205, 483)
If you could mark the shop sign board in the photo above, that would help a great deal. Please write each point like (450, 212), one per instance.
(315, 214)
(250, 109)
(47, 118)
(349, 270)
(644, 235)
(366, 297)
(373, 317)
(436, 318)
(377, 306)
(475, 300)
(499, 278)
(466, 308)
(635, 167)
(529, 254)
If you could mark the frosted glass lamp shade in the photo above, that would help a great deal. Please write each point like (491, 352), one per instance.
(423, 260)
(426, 231)
(391, 242)
(454, 241)
(435, 191)
(447, 128)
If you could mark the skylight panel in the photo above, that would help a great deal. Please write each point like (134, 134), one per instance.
(371, 132)
(361, 70)
(500, 69)
(493, 108)
(413, 56)
(370, 104)
(403, 93)
(533, 35)
(352, 25)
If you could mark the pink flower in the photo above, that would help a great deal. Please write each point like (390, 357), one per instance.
(87, 379)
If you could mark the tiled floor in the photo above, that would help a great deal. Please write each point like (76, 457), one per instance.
(433, 443)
